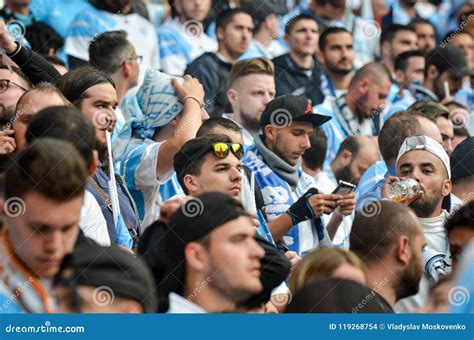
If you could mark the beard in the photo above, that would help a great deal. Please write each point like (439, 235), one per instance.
(409, 282)
(250, 122)
(338, 70)
(345, 174)
(425, 208)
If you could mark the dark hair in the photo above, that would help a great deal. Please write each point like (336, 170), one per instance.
(463, 217)
(20, 74)
(314, 157)
(461, 131)
(323, 38)
(394, 132)
(213, 122)
(289, 25)
(76, 82)
(402, 60)
(189, 159)
(43, 37)
(65, 123)
(109, 50)
(421, 21)
(429, 109)
(226, 17)
(50, 167)
(350, 144)
(389, 33)
(372, 235)
(334, 3)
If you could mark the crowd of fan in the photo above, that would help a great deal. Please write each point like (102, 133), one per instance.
(199, 156)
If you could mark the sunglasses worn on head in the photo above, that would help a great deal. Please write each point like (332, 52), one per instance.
(221, 149)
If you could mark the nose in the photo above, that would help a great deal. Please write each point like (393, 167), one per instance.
(236, 175)
(305, 143)
(255, 250)
(267, 98)
(53, 241)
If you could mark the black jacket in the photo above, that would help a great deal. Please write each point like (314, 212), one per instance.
(292, 79)
(214, 74)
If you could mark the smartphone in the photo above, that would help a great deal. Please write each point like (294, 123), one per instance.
(344, 188)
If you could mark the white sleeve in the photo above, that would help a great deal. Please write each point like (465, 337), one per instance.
(92, 221)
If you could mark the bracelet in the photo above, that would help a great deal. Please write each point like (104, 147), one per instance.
(193, 98)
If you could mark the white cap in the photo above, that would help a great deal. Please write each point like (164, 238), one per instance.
(422, 142)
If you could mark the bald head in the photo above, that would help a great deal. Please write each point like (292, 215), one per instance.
(374, 72)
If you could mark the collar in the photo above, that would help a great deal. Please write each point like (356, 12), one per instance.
(179, 304)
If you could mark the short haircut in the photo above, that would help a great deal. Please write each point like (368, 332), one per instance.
(351, 144)
(226, 17)
(109, 50)
(375, 71)
(394, 132)
(50, 167)
(461, 131)
(373, 234)
(247, 67)
(189, 159)
(213, 122)
(65, 123)
(43, 38)
(462, 218)
(76, 82)
(389, 33)
(334, 3)
(421, 21)
(429, 109)
(43, 87)
(20, 74)
(321, 263)
(323, 38)
(314, 157)
(402, 60)
(292, 21)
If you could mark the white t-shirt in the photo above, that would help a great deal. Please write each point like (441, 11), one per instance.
(92, 221)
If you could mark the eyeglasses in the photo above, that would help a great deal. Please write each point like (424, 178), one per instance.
(138, 58)
(221, 149)
(5, 84)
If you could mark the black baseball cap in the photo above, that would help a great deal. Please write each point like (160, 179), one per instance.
(462, 160)
(449, 58)
(259, 10)
(112, 269)
(283, 110)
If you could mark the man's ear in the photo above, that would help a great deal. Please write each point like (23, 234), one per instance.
(126, 69)
(232, 96)
(363, 86)
(220, 33)
(385, 48)
(2, 208)
(270, 132)
(447, 187)
(432, 72)
(345, 158)
(191, 183)
(196, 256)
(403, 250)
(399, 77)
